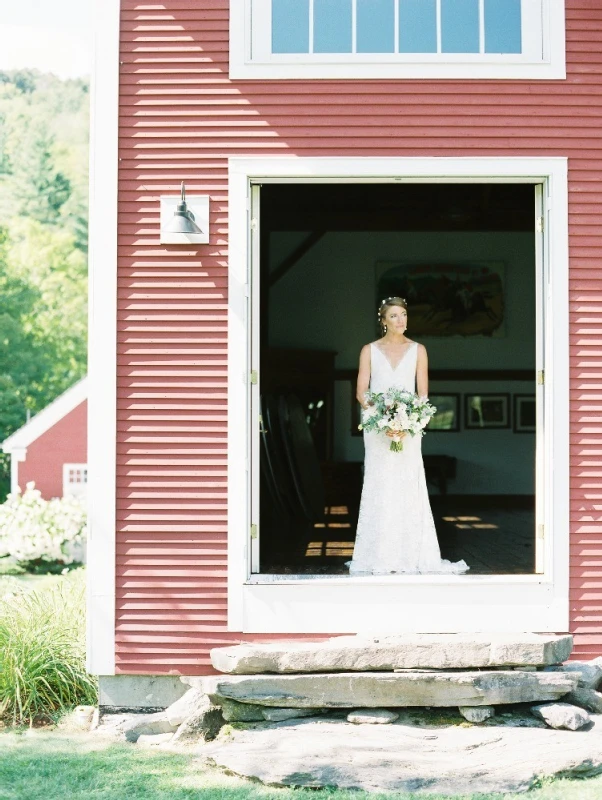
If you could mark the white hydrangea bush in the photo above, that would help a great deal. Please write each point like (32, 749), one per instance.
(34, 529)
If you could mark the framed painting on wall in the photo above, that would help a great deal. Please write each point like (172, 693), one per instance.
(486, 411)
(447, 299)
(524, 413)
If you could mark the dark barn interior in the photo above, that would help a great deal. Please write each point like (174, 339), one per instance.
(328, 254)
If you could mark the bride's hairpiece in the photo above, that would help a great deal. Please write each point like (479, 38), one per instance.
(388, 299)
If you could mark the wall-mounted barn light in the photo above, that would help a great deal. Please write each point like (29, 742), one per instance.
(184, 220)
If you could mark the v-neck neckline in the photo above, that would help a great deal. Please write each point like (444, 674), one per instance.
(394, 368)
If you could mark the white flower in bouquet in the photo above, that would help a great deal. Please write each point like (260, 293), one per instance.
(394, 412)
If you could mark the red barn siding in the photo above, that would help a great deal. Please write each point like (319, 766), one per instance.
(180, 118)
(65, 442)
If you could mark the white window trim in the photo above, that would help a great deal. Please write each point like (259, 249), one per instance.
(262, 604)
(383, 66)
(102, 347)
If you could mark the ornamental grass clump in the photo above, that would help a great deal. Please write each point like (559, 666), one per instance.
(41, 534)
(42, 652)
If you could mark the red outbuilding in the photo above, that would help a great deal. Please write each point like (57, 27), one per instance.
(335, 152)
(50, 450)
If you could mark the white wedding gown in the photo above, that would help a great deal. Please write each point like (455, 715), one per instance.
(396, 532)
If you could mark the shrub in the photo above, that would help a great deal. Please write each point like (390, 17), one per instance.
(42, 651)
(35, 532)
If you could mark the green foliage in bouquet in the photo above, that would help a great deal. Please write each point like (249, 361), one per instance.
(396, 411)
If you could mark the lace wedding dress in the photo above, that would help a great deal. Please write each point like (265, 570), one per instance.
(396, 532)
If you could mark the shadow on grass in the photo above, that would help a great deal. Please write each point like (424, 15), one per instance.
(46, 765)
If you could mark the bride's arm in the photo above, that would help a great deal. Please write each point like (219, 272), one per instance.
(422, 372)
(363, 376)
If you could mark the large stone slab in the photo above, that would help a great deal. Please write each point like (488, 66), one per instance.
(361, 653)
(402, 757)
(388, 689)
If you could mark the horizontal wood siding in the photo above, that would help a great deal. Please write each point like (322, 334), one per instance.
(180, 119)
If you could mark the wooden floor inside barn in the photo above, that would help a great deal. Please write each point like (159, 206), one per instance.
(493, 537)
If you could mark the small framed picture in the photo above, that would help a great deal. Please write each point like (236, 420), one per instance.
(487, 411)
(447, 418)
(524, 413)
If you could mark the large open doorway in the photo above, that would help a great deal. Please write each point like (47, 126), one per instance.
(465, 256)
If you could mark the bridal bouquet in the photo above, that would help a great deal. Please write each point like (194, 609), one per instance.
(396, 411)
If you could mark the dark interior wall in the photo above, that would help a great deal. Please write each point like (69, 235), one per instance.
(327, 301)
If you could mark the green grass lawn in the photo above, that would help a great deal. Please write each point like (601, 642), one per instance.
(27, 582)
(50, 765)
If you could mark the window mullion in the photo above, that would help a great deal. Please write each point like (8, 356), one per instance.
(481, 26)
(438, 26)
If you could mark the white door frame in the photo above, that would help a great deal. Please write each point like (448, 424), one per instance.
(438, 603)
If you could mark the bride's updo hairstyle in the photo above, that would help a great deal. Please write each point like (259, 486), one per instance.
(385, 305)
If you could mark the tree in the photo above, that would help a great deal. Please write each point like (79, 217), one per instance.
(43, 243)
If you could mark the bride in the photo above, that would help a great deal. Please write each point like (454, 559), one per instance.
(396, 532)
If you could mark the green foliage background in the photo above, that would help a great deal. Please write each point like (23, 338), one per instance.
(43, 243)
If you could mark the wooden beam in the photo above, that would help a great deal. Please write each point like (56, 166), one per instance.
(298, 253)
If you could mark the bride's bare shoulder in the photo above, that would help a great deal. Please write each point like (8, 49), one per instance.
(365, 351)
(421, 348)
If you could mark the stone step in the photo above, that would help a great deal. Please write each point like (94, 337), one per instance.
(405, 651)
(388, 689)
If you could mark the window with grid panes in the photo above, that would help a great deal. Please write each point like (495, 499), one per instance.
(472, 38)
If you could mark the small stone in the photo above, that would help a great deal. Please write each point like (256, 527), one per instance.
(589, 672)
(240, 712)
(184, 707)
(477, 713)
(372, 716)
(561, 715)
(526, 668)
(203, 724)
(153, 739)
(280, 714)
(585, 698)
(145, 724)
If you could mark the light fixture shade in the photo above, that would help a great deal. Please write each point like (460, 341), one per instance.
(184, 221)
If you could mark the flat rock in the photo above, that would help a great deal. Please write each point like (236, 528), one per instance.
(404, 758)
(477, 713)
(388, 689)
(233, 711)
(373, 716)
(589, 672)
(362, 653)
(561, 715)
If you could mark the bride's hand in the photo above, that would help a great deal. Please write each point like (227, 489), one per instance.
(392, 435)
